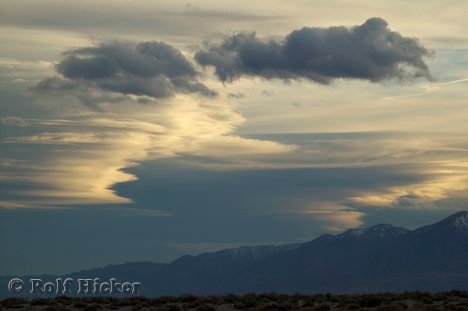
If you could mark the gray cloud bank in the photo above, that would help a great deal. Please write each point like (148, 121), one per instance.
(153, 69)
(113, 71)
(370, 51)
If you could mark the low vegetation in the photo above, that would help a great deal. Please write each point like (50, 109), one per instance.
(417, 301)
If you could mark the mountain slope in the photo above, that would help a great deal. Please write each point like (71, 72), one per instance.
(380, 258)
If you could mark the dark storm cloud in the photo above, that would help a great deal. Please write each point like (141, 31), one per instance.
(369, 51)
(153, 69)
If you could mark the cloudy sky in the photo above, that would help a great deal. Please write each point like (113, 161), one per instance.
(146, 130)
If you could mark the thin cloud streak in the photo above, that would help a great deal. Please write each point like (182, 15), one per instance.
(428, 89)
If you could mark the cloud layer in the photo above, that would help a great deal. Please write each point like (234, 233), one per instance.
(79, 159)
(115, 69)
(370, 51)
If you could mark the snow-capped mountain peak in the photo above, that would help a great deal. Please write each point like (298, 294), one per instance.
(461, 221)
(378, 231)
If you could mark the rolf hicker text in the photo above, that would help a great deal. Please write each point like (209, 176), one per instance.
(69, 286)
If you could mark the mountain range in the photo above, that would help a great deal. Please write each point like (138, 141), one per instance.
(382, 258)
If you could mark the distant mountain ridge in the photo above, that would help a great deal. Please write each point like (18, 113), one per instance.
(243, 253)
(381, 231)
(374, 259)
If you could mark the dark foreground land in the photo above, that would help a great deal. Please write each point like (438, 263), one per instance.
(454, 300)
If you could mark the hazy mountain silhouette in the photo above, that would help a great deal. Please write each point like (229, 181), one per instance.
(379, 258)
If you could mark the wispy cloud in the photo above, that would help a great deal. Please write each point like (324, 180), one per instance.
(78, 160)
(429, 89)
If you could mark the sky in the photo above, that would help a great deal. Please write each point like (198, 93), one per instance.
(147, 130)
